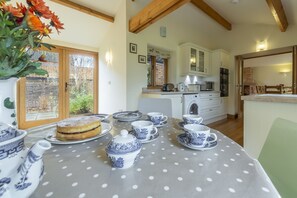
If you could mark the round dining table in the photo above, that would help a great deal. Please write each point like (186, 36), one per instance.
(165, 168)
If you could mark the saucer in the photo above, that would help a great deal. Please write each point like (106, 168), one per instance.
(161, 124)
(149, 140)
(183, 139)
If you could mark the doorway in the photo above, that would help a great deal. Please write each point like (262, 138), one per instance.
(258, 72)
(69, 89)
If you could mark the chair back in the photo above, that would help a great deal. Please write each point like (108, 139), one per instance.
(163, 105)
(279, 157)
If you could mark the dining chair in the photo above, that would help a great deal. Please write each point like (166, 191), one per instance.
(278, 157)
(163, 105)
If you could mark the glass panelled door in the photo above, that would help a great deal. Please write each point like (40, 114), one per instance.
(40, 95)
(69, 89)
(81, 85)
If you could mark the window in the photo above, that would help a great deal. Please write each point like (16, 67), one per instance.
(70, 89)
(157, 71)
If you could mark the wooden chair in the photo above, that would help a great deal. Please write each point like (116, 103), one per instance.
(260, 89)
(278, 89)
(278, 157)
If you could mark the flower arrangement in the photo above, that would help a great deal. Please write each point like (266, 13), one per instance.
(22, 30)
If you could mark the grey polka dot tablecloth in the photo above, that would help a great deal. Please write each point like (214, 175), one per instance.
(165, 169)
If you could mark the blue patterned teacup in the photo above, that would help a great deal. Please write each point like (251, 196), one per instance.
(157, 117)
(144, 130)
(198, 134)
(192, 119)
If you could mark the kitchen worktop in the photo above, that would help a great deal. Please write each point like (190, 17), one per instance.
(177, 92)
(279, 98)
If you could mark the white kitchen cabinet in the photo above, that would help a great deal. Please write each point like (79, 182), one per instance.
(212, 107)
(194, 60)
(219, 58)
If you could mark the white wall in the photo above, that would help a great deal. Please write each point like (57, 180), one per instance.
(270, 75)
(112, 77)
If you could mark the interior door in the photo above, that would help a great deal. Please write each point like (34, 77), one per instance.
(239, 84)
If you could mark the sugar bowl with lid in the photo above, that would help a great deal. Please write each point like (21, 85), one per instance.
(123, 150)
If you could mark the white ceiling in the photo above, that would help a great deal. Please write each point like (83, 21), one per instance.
(252, 11)
(109, 7)
(245, 12)
(275, 60)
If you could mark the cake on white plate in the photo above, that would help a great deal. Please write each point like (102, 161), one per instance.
(78, 128)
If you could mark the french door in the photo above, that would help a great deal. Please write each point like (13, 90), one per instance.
(70, 89)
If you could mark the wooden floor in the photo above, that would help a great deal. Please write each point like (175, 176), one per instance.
(233, 128)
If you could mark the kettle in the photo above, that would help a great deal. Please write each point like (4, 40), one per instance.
(181, 87)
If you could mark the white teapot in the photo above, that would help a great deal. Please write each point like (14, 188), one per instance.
(20, 169)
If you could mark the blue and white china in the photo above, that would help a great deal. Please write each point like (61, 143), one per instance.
(144, 129)
(192, 119)
(123, 150)
(152, 137)
(127, 116)
(160, 124)
(157, 117)
(183, 139)
(198, 134)
(21, 169)
(51, 136)
(182, 124)
(7, 132)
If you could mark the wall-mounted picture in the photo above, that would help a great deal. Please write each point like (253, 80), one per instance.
(133, 48)
(141, 59)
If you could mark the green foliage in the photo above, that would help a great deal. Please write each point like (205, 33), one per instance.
(16, 39)
(81, 104)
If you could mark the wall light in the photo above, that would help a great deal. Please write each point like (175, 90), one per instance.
(261, 45)
(108, 57)
(284, 73)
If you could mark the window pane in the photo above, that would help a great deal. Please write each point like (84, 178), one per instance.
(81, 84)
(160, 71)
(42, 91)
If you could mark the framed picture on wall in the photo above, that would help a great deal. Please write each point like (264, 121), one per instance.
(133, 48)
(141, 59)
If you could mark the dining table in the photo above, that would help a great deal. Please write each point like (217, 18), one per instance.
(165, 168)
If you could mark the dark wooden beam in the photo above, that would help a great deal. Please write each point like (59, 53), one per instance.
(212, 13)
(153, 12)
(84, 9)
(278, 13)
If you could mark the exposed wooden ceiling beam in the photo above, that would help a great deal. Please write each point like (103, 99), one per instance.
(212, 13)
(278, 13)
(84, 9)
(153, 12)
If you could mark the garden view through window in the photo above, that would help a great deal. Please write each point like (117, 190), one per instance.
(69, 89)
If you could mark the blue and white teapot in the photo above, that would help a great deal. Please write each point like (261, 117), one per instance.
(20, 169)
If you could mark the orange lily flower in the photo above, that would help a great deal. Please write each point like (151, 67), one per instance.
(39, 7)
(34, 23)
(55, 22)
(17, 12)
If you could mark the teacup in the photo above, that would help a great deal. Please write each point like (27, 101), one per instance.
(192, 119)
(198, 135)
(157, 117)
(144, 130)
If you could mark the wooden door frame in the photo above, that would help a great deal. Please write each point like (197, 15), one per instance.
(239, 63)
(63, 71)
